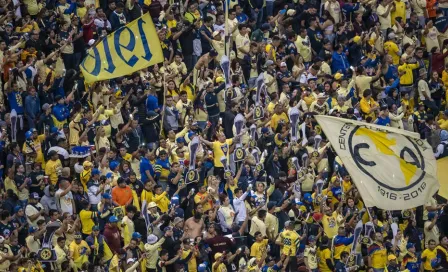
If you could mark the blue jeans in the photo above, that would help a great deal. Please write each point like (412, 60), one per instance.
(269, 8)
(257, 16)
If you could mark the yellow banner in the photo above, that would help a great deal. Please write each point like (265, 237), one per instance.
(442, 173)
(129, 49)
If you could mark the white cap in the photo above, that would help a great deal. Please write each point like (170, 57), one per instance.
(91, 42)
(283, 64)
(152, 239)
(130, 260)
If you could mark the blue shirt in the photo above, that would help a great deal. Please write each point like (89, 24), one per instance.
(242, 18)
(145, 165)
(383, 121)
(15, 101)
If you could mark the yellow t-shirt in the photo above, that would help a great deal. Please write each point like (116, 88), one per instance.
(392, 50)
(323, 256)
(220, 268)
(200, 197)
(87, 222)
(330, 224)
(275, 119)
(219, 150)
(429, 255)
(400, 11)
(78, 248)
(51, 170)
(258, 248)
(192, 265)
(443, 124)
(290, 241)
(378, 253)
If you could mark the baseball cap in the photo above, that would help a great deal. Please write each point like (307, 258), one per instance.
(95, 171)
(106, 196)
(113, 219)
(264, 130)
(391, 257)
(283, 64)
(34, 195)
(46, 106)
(288, 224)
(218, 255)
(94, 228)
(338, 76)
(87, 164)
(130, 260)
(152, 239)
(311, 238)
(269, 62)
(136, 235)
(78, 236)
(177, 220)
(391, 35)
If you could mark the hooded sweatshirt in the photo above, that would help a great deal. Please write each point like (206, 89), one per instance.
(48, 201)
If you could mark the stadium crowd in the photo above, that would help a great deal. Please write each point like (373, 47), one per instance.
(107, 168)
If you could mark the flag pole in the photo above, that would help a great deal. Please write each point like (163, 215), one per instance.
(226, 30)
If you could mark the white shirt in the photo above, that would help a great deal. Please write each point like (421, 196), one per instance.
(100, 23)
(240, 208)
(31, 210)
(64, 203)
(92, 191)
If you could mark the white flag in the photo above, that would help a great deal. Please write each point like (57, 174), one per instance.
(393, 169)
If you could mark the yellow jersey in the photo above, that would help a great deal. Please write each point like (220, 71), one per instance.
(291, 241)
(258, 248)
(330, 225)
(51, 170)
(87, 222)
(324, 255)
(219, 150)
(378, 254)
(428, 255)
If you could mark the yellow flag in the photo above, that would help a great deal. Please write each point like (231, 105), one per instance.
(128, 49)
(393, 169)
(442, 173)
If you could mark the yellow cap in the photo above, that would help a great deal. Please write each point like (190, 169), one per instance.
(219, 79)
(391, 257)
(338, 76)
(356, 39)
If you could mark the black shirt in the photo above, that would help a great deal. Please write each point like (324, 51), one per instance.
(186, 40)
